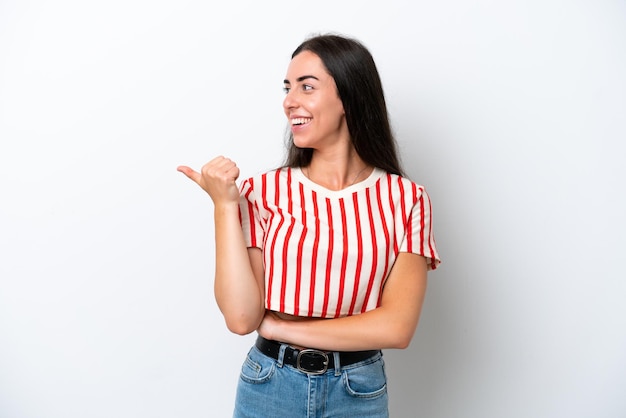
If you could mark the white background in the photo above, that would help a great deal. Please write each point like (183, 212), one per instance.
(512, 114)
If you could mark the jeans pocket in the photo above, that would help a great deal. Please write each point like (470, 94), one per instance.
(366, 380)
(257, 368)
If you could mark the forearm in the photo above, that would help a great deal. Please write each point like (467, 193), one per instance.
(237, 290)
(377, 329)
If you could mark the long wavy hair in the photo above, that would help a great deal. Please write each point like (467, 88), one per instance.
(359, 87)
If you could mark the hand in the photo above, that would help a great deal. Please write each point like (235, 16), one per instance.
(268, 326)
(217, 178)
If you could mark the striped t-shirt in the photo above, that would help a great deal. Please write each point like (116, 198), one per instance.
(327, 253)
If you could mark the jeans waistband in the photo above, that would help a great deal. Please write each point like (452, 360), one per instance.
(311, 361)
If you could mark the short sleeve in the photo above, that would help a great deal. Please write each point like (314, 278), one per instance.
(249, 216)
(418, 234)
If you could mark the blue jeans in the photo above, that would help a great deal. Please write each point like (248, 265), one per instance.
(270, 389)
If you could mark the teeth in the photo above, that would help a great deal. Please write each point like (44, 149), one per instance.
(300, 121)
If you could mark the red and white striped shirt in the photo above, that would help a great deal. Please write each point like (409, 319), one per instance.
(328, 253)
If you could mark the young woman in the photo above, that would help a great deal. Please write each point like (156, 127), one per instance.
(326, 257)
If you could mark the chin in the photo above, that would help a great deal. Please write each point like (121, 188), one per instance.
(301, 144)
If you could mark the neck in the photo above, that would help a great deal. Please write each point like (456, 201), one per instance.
(337, 173)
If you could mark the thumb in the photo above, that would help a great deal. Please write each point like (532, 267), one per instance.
(189, 172)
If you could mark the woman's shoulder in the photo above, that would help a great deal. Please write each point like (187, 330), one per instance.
(401, 181)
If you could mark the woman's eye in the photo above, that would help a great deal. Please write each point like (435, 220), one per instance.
(305, 87)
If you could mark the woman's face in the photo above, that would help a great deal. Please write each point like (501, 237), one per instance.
(312, 105)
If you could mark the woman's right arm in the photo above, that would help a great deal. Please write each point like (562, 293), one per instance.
(239, 287)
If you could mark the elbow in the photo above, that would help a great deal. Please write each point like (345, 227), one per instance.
(242, 325)
(239, 329)
(241, 321)
(401, 337)
(400, 342)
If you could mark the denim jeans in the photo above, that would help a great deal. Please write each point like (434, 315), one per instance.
(270, 389)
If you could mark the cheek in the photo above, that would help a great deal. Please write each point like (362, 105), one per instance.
(336, 113)
(335, 106)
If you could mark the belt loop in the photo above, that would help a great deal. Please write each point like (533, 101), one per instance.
(337, 363)
(281, 355)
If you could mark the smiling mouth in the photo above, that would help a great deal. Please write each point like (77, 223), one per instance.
(300, 121)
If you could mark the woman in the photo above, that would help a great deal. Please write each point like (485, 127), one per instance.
(326, 257)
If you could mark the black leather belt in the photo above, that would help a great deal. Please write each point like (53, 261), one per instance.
(309, 360)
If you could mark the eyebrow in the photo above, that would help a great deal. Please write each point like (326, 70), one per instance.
(302, 78)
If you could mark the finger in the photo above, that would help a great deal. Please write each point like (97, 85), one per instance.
(232, 172)
(220, 163)
(230, 168)
(189, 172)
(222, 168)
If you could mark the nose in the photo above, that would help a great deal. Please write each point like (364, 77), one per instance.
(290, 101)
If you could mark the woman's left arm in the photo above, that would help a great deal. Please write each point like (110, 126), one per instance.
(391, 325)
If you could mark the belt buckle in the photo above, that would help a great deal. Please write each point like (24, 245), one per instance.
(312, 356)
